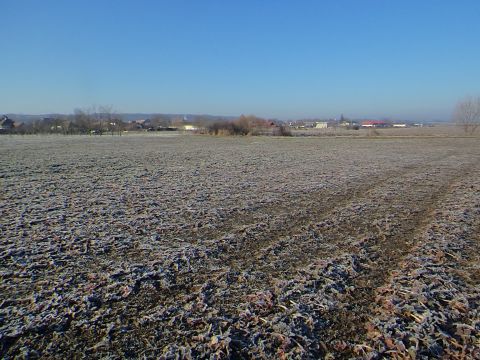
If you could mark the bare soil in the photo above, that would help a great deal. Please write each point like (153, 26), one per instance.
(201, 247)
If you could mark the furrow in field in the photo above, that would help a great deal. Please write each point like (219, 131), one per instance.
(391, 227)
(318, 230)
(339, 290)
(429, 307)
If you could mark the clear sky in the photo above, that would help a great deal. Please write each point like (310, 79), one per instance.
(410, 59)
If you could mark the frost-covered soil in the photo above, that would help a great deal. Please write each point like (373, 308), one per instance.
(200, 247)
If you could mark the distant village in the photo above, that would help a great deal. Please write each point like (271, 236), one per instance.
(107, 123)
(351, 124)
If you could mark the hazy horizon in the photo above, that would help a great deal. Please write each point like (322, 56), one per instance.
(138, 115)
(372, 59)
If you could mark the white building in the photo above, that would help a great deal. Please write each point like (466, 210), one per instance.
(321, 125)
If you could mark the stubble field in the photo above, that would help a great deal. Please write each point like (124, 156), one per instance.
(201, 247)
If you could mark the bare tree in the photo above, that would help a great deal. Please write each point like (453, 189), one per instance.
(110, 119)
(83, 120)
(467, 114)
(96, 120)
(105, 118)
(160, 121)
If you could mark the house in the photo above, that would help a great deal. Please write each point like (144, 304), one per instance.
(189, 127)
(6, 124)
(399, 125)
(321, 125)
(309, 124)
(138, 124)
(374, 123)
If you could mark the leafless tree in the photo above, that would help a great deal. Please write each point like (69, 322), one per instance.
(83, 121)
(105, 118)
(467, 114)
(160, 121)
(97, 119)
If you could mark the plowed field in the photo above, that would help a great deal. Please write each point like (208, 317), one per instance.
(201, 247)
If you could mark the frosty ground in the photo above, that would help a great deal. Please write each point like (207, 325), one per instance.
(239, 247)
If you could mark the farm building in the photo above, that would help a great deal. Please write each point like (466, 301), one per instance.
(375, 123)
(321, 125)
(189, 127)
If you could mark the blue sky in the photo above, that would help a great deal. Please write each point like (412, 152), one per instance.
(399, 59)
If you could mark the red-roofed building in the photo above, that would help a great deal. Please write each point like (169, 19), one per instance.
(375, 123)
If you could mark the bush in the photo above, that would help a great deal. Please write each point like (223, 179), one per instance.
(283, 131)
(248, 125)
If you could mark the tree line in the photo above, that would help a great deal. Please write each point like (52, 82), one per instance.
(93, 120)
(103, 120)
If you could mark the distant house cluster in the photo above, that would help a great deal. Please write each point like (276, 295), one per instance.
(150, 125)
(349, 124)
(387, 124)
(312, 124)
